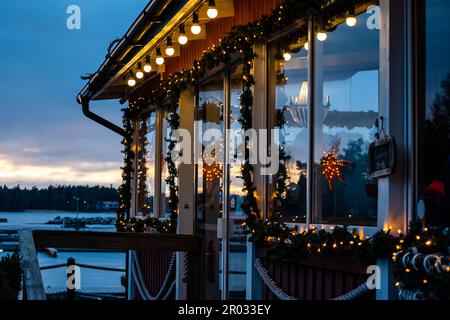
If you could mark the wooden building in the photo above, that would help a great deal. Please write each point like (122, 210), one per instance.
(341, 80)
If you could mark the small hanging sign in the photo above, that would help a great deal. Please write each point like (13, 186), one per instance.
(382, 155)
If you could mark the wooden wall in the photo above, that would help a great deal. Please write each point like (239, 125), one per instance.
(246, 11)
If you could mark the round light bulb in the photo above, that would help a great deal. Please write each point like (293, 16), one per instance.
(212, 12)
(139, 74)
(131, 82)
(351, 21)
(170, 51)
(159, 60)
(147, 68)
(182, 39)
(322, 36)
(306, 46)
(287, 56)
(196, 28)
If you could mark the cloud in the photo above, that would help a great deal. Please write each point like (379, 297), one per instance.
(85, 173)
(32, 150)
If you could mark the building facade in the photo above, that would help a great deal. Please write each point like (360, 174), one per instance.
(351, 96)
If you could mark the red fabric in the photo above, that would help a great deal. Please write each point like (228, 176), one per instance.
(438, 188)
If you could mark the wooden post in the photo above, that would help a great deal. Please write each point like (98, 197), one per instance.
(33, 284)
(71, 279)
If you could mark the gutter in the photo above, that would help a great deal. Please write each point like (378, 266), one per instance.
(102, 121)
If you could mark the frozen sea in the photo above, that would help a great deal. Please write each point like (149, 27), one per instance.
(56, 278)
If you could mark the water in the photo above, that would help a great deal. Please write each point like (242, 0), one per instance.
(56, 278)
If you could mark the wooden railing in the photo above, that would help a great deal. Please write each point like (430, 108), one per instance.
(32, 240)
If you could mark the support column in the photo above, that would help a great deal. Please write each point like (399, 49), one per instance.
(186, 183)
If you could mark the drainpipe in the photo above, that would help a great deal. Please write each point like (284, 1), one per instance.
(95, 117)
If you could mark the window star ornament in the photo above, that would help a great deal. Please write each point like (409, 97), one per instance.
(332, 166)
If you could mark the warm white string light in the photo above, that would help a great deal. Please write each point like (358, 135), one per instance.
(147, 65)
(139, 72)
(196, 28)
(351, 20)
(287, 56)
(182, 38)
(131, 80)
(212, 12)
(159, 58)
(170, 51)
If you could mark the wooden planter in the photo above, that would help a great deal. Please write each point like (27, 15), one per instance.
(315, 277)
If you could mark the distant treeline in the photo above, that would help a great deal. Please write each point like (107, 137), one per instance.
(55, 198)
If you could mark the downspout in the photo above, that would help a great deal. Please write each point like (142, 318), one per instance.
(98, 119)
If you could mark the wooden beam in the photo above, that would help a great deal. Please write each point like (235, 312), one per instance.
(117, 241)
(34, 286)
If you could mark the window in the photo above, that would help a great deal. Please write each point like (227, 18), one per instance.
(332, 151)
(151, 163)
(435, 118)
(346, 110)
(288, 69)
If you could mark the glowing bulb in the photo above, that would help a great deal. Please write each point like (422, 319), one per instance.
(147, 65)
(212, 10)
(170, 51)
(351, 21)
(159, 58)
(196, 28)
(322, 36)
(139, 73)
(182, 38)
(131, 82)
(306, 46)
(287, 56)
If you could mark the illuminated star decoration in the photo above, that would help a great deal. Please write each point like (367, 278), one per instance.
(332, 166)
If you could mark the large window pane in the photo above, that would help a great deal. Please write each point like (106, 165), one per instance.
(289, 104)
(151, 159)
(436, 144)
(346, 110)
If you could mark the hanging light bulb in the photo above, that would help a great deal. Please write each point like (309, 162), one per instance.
(306, 46)
(212, 10)
(182, 38)
(287, 56)
(159, 58)
(131, 80)
(170, 51)
(139, 72)
(322, 36)
(351, 20)
(321, 33)
(147, 65)
(196, 28)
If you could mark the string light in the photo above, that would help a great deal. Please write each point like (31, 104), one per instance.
(170, 51)
(351, 20)
(212, 12)
(131, 80)
(287, 56)
(306, 46)
(196, 28)
(159, 58)
(147, 65)
(139, 72)
(182, 38)
(322, 36)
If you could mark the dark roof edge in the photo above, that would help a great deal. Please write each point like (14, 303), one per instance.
(99, 79)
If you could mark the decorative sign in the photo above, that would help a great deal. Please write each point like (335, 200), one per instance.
(382, 158)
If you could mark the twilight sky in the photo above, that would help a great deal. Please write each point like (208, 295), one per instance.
(44, 138)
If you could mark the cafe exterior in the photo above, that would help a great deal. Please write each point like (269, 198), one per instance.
(306, 142)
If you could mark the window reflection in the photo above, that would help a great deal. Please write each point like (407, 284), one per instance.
(290, 102)
(435, 168)
(346, 111)
(150, 163)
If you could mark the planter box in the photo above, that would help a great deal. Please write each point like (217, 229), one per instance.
(315, 277)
